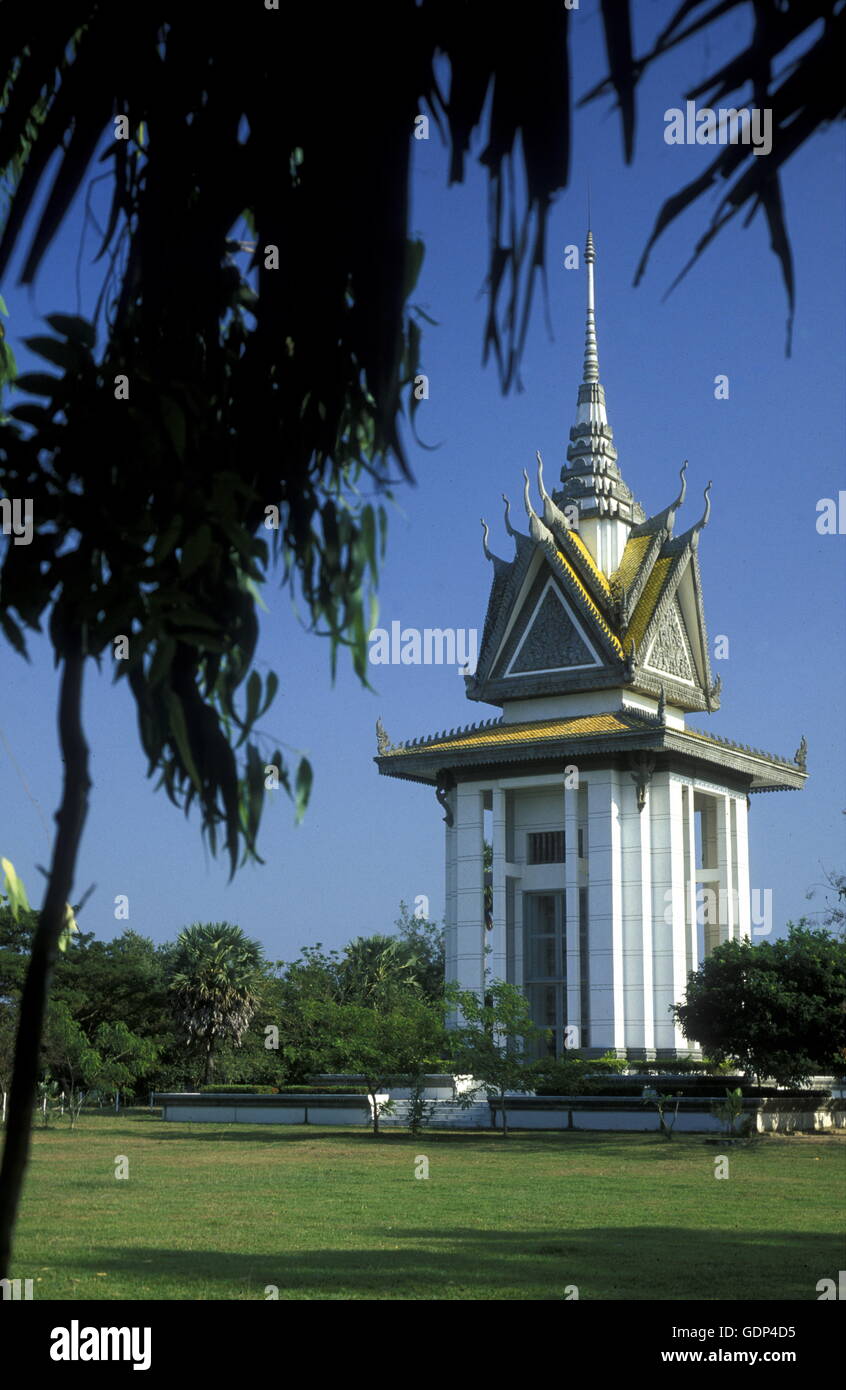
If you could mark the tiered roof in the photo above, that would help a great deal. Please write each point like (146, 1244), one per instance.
(556, 624)
(559, 741)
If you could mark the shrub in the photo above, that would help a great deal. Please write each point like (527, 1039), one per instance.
(250, 1090)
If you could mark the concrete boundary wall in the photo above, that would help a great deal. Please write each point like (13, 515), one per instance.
(623, 1113)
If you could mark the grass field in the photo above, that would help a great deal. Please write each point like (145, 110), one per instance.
(222, 1211)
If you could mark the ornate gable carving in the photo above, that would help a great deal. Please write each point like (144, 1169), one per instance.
(552, 642)
(669, 650)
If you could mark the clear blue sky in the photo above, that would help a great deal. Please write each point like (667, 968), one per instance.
(773, 585)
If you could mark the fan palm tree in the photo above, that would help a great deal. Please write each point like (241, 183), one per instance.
(374, 968)
(216, 984)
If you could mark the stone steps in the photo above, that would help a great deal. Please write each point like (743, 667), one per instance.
(444, 1114)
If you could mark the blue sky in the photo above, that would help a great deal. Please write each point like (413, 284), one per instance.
(772, 584)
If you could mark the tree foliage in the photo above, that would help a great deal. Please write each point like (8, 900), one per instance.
(377, 1043)
(216, 978)
(493, 1040)
(778, 1008)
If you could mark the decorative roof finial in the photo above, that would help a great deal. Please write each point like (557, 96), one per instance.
(591, 369)
(681, 496)
(552, 514)
(704, 519)
(537, 529)
(509, 528)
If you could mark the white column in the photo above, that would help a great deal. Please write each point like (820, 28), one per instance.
(744, 905)
(451, 920)
(645, 832)
(690, 886)
(663, 908)
(726, 868)
(678, 887)
(470, 886)
(632, 866)
(607, 1018)
(496, 938)
(571, 886)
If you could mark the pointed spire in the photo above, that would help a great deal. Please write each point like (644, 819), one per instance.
(591, 368)
(592, 479)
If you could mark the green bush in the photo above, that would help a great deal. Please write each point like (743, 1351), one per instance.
(250, 1090)
(323, 1090)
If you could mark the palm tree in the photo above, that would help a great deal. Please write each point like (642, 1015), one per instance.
(216, 984)
(374, 968)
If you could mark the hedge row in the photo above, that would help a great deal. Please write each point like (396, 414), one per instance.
(285, 1090)
(247, 1090)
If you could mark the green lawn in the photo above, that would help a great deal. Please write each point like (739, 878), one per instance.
(221, 1211)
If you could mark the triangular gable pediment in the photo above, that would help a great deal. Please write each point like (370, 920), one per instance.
(566, 634)
(669, 652)
(551, 639)
(668, 626)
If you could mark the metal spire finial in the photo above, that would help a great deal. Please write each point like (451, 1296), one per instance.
(591, 368)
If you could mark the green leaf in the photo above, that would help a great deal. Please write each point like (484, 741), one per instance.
(269, 692)
(68, 929)
(302, 788)
(252, 590)
(76, 329)
(415, 251)
(179, 731)
(253, 696)
(191, 617)
(39, 383)
(162, 661)
(168, 538)
(15, 891)
(368, 537)
(13, 633)
(3, 310)
(195, 550)
(63, 355)
(36, 415)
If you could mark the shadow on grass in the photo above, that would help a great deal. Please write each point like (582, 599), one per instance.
(632, 1263)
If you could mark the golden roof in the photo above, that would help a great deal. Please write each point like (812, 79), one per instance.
(612, 637)
(589, 560)
(633, 557)
(647, 602)
(536, 730)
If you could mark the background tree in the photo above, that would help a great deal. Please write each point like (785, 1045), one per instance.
(375, 970)
(425, 940)
(834, 913)
(493, 1038)
(778, 1008)
(216, 979)
(284, 390)
(110, 1060)
(377, 1043)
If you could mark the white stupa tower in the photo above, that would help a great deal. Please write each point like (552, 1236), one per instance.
(619, 832)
